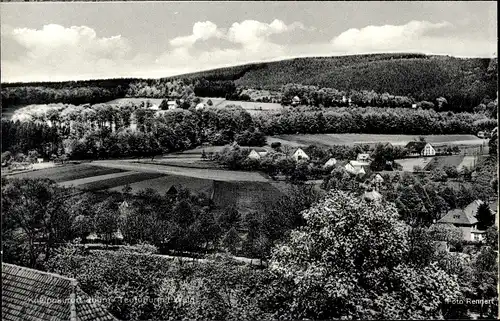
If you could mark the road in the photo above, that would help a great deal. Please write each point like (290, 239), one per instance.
(213, 174)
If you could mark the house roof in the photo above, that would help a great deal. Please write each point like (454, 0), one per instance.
(415, 146)
(464, 216)
(29, 294)
(358, 163)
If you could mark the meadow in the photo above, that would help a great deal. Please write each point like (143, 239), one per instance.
(68, 172)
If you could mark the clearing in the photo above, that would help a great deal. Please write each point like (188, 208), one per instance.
(122, 101)
(251, 106)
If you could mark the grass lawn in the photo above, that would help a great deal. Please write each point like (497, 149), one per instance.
(352, 139)
(68, 172)
(252, 107)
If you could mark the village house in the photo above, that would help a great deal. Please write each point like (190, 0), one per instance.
(295, 101)
(24, 290)
(39, 160)
(331, 162)
(465, 219)
(377, 179)
(172, 104)
(200, 106)
(300, 155)
(253, 155)
(363, 158)
(357, 168)
(420, 149)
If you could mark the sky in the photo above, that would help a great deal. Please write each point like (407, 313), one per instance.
(43, 41)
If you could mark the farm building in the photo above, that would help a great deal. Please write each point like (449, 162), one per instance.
(465, 220)
(332, 161)
(300, 154)
(172, 104)
(377, 179)
(253, 155)
(357, 168)
(22, 289)
(295, 101)
(39, 160)
(363, 158)
(200, 106)
(420, 149)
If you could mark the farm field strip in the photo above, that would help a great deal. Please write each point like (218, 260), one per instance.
(117, 181)
(215, 174)
(68, 172)
(86, 180)
(442, 161)
(154, 101)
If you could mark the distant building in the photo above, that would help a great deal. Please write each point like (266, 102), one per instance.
(172, 104)
(39, 160)
(253, 155)
(23, 290)
(295, 101)
(420, 149)
(481, 134)
(465, 219)
(377, 179)
(200, 106)
(363, 158)
(331, 162)
(413, 106)
(300, 155)
(356, 168)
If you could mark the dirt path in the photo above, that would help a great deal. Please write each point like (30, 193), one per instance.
(213, 174)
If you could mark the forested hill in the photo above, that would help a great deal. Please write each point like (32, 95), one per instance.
(419, 76)
(464, 82)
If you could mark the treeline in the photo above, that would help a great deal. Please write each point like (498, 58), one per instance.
(102, 130)
(372, 121)
(27, 95)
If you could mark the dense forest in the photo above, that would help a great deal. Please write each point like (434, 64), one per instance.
(463, 83)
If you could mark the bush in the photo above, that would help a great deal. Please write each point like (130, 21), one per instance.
(275, 145)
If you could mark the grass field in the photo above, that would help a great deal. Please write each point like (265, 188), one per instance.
(409, 163)
(352, 139)
(442, 161)
(214, 174)
(100, 183)
(162, 184)
(468, 161)
(68, 172)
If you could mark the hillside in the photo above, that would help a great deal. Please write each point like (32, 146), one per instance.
(464, 82)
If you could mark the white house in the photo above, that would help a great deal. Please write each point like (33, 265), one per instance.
(363, 158)
(253, 155)
(295, 101)
(262, 154)
(413, 106)
(332, 161)
(373, 196)
(200, 106)
(172, 104)
(300, 154)
(356, 168)
(378, 179)
(420, 149)
(39, 160)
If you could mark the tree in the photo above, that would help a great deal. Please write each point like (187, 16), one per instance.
(209, 102)
(485, 218)
(348, 261)
(34, 210)
(493, 143)
(106, 220)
